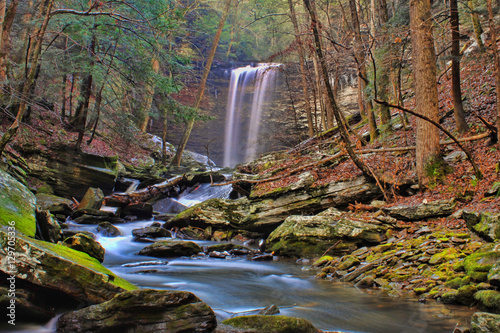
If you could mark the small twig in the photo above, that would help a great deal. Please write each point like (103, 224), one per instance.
(331, 247)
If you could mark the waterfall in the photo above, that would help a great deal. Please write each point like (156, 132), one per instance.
(243, 123)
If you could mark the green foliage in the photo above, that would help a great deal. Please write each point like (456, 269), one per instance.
(436, 170)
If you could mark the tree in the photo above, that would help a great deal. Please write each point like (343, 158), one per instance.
(199, 95)
(39, 33)
(493, 32)
(7, 14)
(426, 95)
(303, 71)
(458, 110)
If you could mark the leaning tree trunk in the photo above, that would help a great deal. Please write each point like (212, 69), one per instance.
(426, 95)
(7, 15)
(364, 107)
(343, 130)
(303, 70)
(458, 110)
(201, 89)
(44, 11)
(149, 91)
(494, 47)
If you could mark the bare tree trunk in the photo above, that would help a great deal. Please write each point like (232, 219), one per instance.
(303, 71)
(148, 96)
(460, 122)
(63, 94)
(426, 96)
(7, 15)
(71, 91)
(45, 9)
(201, 89)
(494, 47)
(343, 130)
(365, 108)
(478, 30)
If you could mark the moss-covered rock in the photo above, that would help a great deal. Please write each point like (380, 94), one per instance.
(17, 205)
(477, 265)
(86, 244)
(494, 274)
(486, 225)
(489, 299)
(310, 235)
(144, 310)
(483, 322)
(170, 248)
(63, 271)
(422, 211)
(271, 324)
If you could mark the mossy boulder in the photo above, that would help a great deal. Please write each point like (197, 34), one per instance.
(494, 274)
(271, 324)
(422, 211)
(86, 244)
(486, 225)
(170, 248)
(54, 204)
(483, 322)
(108, 230)
(17, 205)
(262, 214)
(478, 264)
(144, 310)
(489, 299)
(70, 276)
(312, 235)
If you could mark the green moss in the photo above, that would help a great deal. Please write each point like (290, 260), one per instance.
(272, 324)
(479, 264)
(458, 282)
(84, 260)
(489, 298)
(420, 290)
(323, 260)
(17, 205)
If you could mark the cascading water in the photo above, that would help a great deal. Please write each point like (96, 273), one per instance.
(243, 125)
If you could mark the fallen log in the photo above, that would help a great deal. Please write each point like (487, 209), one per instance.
(143, 195)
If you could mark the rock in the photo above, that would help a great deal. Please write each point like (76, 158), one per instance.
(25, 311)
(108, 230)
(92, 199)
(306, 236)
(262, 214)
(194, 178)
(141, 210)
(422, 211)
(366, 282)
(143, 310)
(269, 311)
(494, 191)
(170, 248)
(486, 225)
(271, 324)
(151, 232)
(231, 248)
(17, 205)
(85, 244)
(71, 173)
(494, 274)
(68, 233)
(60, 276)
(54, 204)
(478, 264)
(169, 205)
(48, 229)
(483, 322)
(456, 156)
(96, 219)
(489, 299)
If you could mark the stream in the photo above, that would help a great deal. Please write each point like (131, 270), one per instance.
(239, 286)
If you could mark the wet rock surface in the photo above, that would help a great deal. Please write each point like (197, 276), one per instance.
(271, 324)
(144, 310)
(170, 248)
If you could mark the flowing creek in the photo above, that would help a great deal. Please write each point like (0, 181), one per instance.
(240, 286)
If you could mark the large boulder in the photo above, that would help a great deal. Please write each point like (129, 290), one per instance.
(270, 324)
(54, 204)
(170, 248)
(494, 274)
(310, 236)
(151, 232)
(108, 230)
(483, 322)
(66, 277)
(86, 244)
(92, 199)
(144, 310)
(422, 211)
(261, 215)
(486, 225)
(17, 205)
